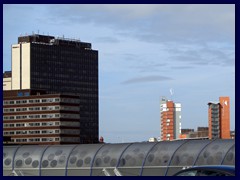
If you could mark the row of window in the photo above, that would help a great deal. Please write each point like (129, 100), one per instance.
(20, 132)
(45, 100)
(42, 116)
(36, 140)
(36, 124)
(50, 139)
(43, 108)
(45, 131)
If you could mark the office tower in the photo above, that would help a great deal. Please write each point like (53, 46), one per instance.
(219, 118)
(34, 117)
(170, 119)
(60, 65)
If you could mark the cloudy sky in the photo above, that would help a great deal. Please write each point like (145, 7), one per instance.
(144, 51)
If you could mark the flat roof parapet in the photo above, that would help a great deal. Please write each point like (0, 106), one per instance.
(51, 40)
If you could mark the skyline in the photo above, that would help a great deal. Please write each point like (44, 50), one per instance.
(144, 51)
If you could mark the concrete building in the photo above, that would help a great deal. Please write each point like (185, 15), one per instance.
(185, 133)
(32, 117)
(219, 118)
(201, 132)
(170, 119)
(60, 65)
(7, 80)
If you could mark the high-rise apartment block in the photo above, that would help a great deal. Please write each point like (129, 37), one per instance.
(170, 119)
(60, 66)
(219, 118)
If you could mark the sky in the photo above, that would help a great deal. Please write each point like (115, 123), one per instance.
(144, 51)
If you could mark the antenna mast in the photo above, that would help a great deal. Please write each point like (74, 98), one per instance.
(171, 92)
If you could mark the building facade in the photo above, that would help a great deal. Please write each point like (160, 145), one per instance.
(7, 80)
(219, 118)
(202, 132)
(170, 119)
(30, 117)
(60, 65)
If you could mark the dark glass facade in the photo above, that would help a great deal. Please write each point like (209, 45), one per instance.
(67, 66)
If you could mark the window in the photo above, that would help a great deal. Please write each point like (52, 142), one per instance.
(19, 94)
(188, 173)
(50, 100)
(44, 108)
(57, 107)
(20, 125)
(210, 173)
(21, 140)
(26, 94)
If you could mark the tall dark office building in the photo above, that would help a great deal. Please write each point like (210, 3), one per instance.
(60, 65)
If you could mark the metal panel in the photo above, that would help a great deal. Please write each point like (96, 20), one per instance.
(186, 155)
(159, 158)
(214, 153)
(8, 158)
(54, 160)
(66, 169)
(107, 157)
(132, 159)
(229, 159)
(27, 160)
(80, 159)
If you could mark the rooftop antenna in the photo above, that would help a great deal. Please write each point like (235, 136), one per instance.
(38, 31)
(171, 92)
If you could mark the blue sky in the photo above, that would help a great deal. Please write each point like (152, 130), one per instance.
(144, 50)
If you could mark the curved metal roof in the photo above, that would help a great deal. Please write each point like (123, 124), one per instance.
(138, 159)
